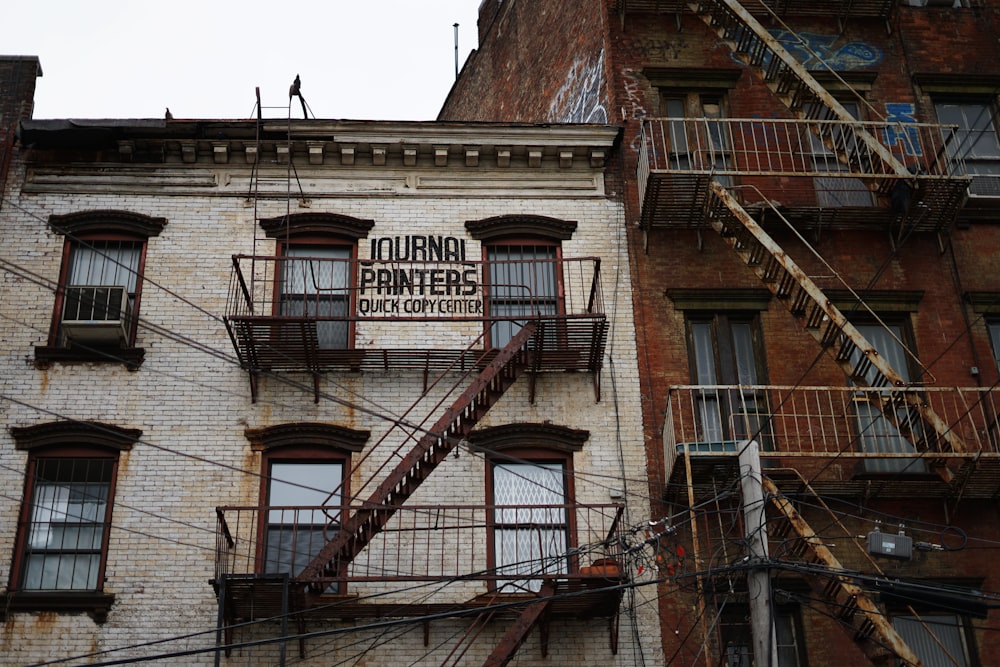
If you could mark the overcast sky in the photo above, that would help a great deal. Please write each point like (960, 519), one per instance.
(358, 59)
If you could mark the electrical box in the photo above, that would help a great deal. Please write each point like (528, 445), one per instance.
(891, 545)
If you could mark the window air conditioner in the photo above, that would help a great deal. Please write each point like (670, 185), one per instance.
(96, 314)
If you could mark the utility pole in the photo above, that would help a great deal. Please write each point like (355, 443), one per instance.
(759, 577)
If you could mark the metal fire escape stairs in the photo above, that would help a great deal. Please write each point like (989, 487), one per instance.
(358, 530)
(862, 363)
(849, 604)
(793, 84)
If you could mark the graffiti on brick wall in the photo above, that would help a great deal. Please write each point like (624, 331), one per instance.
(899, 135)
(816, 51)
(581, 97)
(633, 106)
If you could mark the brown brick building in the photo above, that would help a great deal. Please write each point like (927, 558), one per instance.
(812, 191)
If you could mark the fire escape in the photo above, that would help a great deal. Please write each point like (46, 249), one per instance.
(902, 178)
(384, 539)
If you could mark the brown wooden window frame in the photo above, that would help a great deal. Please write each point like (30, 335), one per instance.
(319, 230)
(92, 229)
(303, 443)
(71, 442)
(529, 444)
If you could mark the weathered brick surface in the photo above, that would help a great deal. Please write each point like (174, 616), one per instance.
(894, 60)
(192, 403)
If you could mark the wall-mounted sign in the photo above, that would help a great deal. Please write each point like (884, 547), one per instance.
(419, 276)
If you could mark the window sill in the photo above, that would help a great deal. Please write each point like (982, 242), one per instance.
(94, 603)
(132, 357)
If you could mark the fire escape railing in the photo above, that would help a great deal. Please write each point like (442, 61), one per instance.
(320, 313)
(426, 543)
(830, 149)
(843, 422)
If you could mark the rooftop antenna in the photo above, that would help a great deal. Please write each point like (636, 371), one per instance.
(456, 50)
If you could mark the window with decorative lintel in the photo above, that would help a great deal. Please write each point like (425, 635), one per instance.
(314, 277)
(100, 286)
(529, 487)
(304, 483)
(523, 270)
(61, 547)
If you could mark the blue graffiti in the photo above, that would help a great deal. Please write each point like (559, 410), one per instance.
(909, 137)
(816, 51)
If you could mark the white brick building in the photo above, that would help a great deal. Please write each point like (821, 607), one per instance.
(193, 321)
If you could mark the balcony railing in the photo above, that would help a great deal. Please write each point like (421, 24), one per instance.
(322, 313)
(870, 430)
(473, 552)
(426, 543)
(839, 8)
(797, 163)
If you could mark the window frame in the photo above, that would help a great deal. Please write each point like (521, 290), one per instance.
(68, 441)
(321, 230)
(991, 109)
(726, 365)
(303, 442)
(281, 296)
(97, 227)
(523, 230)
(530, 443)
(495, 335)
(900, 326)
(734, 626)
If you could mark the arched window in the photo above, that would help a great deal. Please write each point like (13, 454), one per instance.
(529, 487)
(523, 271)
(304, 488)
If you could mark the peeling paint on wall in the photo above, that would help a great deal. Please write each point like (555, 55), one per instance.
(581, 99)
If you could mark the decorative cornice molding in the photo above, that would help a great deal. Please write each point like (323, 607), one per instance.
(302, 224)
(121, 222)
(533, 435)
(91, 433)
(500, 226)
(307, 434)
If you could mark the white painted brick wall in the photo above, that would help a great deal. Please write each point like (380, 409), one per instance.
(193, 406)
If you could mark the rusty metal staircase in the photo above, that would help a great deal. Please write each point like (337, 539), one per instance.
(855, 146)
(456, 423)
(824, 321)
(849, 604)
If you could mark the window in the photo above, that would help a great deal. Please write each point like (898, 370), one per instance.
(523, 272)
(303, 488)
(879, 432)
(65, 521)
(304, 506)
(314, 278)
(725, 349)
(97, 303)
(530, 491)
(994, 329)
(317, 285)
(737, 642)
(939, 640)
(836, 191)
(976, 141)
(524, 282)
(701, 142)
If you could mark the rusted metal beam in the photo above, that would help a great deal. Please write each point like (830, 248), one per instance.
(518, 632)
(874, 617)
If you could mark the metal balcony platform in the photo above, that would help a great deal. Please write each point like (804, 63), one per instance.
(832, 437)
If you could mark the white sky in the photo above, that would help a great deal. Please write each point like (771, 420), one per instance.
(358, 59)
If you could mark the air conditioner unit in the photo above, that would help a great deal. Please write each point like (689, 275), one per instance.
(96, 314)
